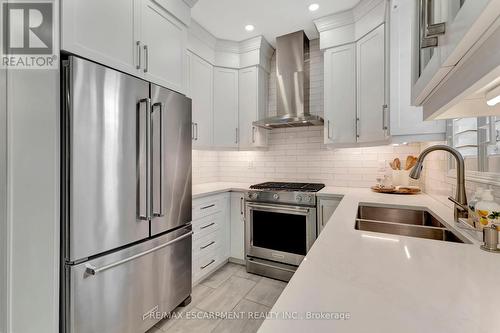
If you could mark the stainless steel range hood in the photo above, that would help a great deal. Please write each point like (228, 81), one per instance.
(292, 84)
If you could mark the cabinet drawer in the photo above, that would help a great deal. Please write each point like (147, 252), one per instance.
(205, 244)
(207, 225)
(206, 264)
(206, 206)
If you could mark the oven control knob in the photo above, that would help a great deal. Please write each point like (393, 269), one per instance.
(307, 198)
(276, 196)
(298, 198)
(253, 195)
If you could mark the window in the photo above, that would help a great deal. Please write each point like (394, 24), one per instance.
(478, 140)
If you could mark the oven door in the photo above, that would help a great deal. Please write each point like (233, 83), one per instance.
(278, 232)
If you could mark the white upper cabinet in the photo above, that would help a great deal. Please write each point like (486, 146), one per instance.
(201, 92)
(253, 92)
(437, 54)
(139, 37)
(340, 94)
(163, 42)
(372, 109)
(105, 31)
(226, 107)
(406, 120)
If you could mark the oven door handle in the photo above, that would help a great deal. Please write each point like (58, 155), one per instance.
(279, 208)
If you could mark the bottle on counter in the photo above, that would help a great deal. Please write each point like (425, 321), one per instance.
(472, 218)
(487, 210)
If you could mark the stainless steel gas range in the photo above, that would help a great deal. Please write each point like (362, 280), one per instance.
(280, 227)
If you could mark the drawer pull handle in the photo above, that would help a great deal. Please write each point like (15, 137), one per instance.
(91, 270)
(206, 207)
(204, 247)
(208, 225)
(210, 263)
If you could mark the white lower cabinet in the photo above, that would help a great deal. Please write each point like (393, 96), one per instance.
(211, 234)
(237, 226)
(326, 207)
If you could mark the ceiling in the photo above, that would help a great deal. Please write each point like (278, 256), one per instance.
(226, 19)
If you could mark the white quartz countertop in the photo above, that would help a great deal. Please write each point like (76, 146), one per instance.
(390, 283)
(202, 190)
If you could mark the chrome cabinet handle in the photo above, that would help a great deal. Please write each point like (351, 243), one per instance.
(206, 226)
(210, 263)
(384, 117)
(253, 134)
(192, 131)
(206, 207)
(161, 211)
(92, 270)
(241, 206)
(429, 31)
(276, 209)
(196, 128)
(147, 214)
(357, 127)
(138, 45)
(146, 55)
(322, 216)
(204, 247)
(328, 129)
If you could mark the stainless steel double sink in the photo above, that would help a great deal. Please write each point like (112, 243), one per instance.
(405, 222)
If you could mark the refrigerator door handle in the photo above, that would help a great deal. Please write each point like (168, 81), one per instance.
(92, 270)
(161, 211)
(147, 184)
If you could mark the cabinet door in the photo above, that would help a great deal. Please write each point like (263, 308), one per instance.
(86, 30)
(371, 81)
(405, 119)
(326, 209)
(340, 94)
(164, 47)
(252, 96)
(225, 107)
(200, 90)
(237, 226)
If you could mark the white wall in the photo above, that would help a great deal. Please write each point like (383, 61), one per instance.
(33, 200)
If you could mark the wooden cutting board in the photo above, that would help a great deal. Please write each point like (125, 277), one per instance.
(396, 190)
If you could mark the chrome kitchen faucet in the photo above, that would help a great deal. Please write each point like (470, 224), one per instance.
(460, 199)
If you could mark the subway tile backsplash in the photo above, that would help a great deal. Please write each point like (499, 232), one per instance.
(298, 154)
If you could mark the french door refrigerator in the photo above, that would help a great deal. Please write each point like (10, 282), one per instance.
(126, 200)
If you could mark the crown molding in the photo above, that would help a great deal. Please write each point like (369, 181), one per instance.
(346, 17)
(202, 34)
(190, 3)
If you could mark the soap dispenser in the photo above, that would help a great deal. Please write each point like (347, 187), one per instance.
(473, 217)
(487, 210)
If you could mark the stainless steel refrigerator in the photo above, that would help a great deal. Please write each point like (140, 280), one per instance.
(126, 200)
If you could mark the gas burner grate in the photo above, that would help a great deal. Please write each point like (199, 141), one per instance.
(283, 186)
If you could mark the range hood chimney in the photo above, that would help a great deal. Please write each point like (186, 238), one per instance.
(292, 84)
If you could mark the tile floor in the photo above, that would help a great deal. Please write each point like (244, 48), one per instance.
(229, 289)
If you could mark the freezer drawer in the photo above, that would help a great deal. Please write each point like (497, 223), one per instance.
(115, 293)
